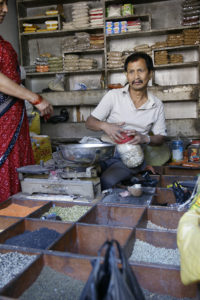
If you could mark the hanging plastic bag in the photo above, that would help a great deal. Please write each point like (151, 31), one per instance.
(57, 84)
(181, 194)
(109, 282)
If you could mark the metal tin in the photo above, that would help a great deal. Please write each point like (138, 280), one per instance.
(194, 151)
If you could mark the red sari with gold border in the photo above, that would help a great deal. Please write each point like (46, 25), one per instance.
(15, 145)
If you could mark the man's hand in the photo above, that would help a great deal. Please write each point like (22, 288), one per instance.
(138, 137)
(114, 130)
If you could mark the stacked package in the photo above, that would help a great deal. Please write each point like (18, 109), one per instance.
(30, 69)
(174, 40)
(42, 64)
(51, 12)
(191, 36)
(29, 28)
(69, 43)
(115, 60)
(127, 9)
(83, 40)
(159, 45)
(109, 28)
(87, 63)
(96, 17)
(120, 26)
(125, 54)
(51, 25)
(67, 26)
(161, 57)
(143, 48)
(134, 25)
(96, 41)
(116, 27)
(71, 62)
(175, 58)
(190, 12)
(80, 17)
(55, 63)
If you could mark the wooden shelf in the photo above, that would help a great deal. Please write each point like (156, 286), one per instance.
(127, 18)
(38, 18)
(116, 70)
(78, 72)
(85, 51)
(59, 33)
(107, 2)
(178, 65)
(34, 3)
(92, 97)
(153, 32)
(174, 48)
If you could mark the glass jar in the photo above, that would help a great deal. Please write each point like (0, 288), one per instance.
(177, 150)
(194, 151)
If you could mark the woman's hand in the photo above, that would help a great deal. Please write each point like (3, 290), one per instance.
(45, 108)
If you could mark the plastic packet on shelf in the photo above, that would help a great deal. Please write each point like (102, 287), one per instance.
(57, 84)
(80, 87)
(114, 11)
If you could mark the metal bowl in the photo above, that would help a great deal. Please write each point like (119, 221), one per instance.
(86, 154)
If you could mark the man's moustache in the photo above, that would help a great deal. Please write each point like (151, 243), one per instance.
(140, 81)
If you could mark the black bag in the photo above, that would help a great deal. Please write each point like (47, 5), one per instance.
(181, 194)
(107, 281)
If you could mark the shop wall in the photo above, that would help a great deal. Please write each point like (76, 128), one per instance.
(9, 28)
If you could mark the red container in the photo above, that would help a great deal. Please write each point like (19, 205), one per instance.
(126, 138)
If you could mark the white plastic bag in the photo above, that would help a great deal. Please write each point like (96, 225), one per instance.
(57, 84)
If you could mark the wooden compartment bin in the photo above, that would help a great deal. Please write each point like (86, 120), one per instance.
(160, 278)
(112, 215)
(38, 213)
(32, 225)
(26, 204)
(166, 218)
(166, 180)
(6, 222)
(160, 239)
(163, 197)
(85, 239)
(74, 267)
(163, 280)
(15, 287)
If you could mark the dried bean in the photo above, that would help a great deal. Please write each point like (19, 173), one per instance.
(39, 239)
(68, 214)
(11, 264)
(52, 285)
(145, 252)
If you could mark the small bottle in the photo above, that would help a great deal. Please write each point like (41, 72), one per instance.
(194, 151)
(177, 150)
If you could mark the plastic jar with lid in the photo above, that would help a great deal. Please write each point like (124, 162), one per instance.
(177, 150)
(131, 155)
(194, 151)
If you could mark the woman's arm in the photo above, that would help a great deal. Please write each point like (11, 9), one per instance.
(11, 88)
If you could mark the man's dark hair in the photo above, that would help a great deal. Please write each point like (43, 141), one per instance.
(136, 56)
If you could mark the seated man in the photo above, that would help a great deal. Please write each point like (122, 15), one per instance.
(131, 110)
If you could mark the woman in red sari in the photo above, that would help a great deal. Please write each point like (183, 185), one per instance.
(15, 145)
